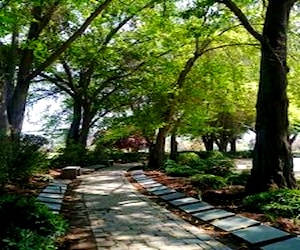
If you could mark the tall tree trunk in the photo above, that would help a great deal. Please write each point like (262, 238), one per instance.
(73, 133)
(157, 154)
(208, 141)
(272, 161)
(233, 145)
(85, 128)
(174, 146)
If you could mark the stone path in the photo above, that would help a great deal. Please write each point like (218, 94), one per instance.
(121, 218)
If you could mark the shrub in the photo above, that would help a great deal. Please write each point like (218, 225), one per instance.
(20, 159)
(174, 169)
(188, 158)
(280, 202)
(208, 181)
(218, 164)
(238, 178)
(28, 224)
(73, 154)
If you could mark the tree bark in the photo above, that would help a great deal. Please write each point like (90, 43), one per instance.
(157, 153)
(208, 141)
(233, 145)
(174, 146)
(272, 161)
(73, 133)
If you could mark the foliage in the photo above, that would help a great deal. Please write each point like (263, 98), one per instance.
(74, 154)
(238, 178)
(240, 154)
(280, 202)
(19, 160)
(174, 169)
(28, 224)
(208, 181)
(188, 158)
(218, 164)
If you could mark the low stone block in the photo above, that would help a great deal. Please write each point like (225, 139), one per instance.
(172, 196)
(196, 207)
(50, 195)
(54, 189)
(49, 200)
(53, 206)
(70, 172)
(258, 234)
(137, 172)
(234, 223)
(152, 185)
(164, 191)
(140, 177)
(212, 214)
(289, 244)
(183, 201)
(153, 189)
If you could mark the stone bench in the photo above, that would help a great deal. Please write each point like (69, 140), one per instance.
(70, 172)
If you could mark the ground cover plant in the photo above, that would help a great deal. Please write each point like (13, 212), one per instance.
(28, 224)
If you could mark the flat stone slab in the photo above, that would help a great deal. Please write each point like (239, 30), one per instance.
(289, 244)
(258, 234)
(173, 196)
(137, 172)
(147, 181)
(53, 206)
(53, 196)
(49, 200)
(212, 214)
(196, 207)
(140, 177)
(153, 189)
(54, 190)
(183, 201)
(152, 185)
(163, 191)
(234, 223)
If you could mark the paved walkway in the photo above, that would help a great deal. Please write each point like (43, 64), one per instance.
(121, 218)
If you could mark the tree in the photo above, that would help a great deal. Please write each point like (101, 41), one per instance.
(272, 161)
(28, 65)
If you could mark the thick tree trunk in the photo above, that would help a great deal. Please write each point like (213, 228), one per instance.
(85, 128)
(174, 146)
(73, 133)
(272, 161)
(208, 141)
(233, 145)
(157, 154)
(222, 142)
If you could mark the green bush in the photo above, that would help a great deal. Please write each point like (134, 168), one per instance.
(280, 202)
(240, 154)
(208, 181)
(188, 158)
(28, 224)
(174, 169)
(238, 179)
(73, 154)
(20, 159)
(218, 164)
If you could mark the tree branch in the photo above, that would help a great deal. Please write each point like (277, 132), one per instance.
(67, 43)
(243, 19)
